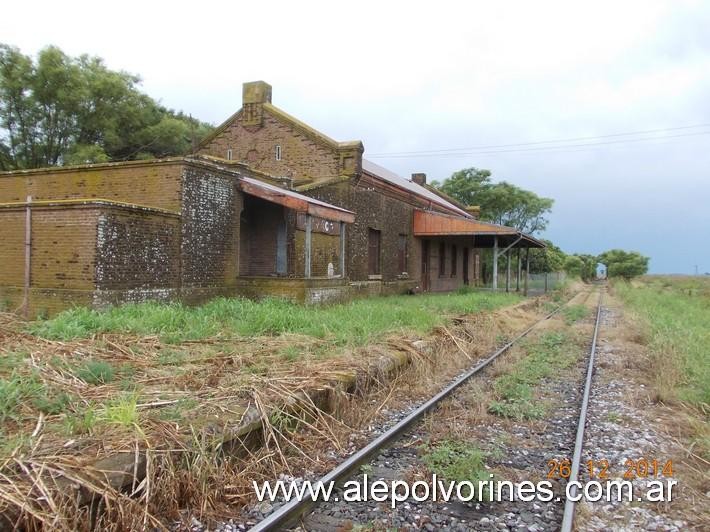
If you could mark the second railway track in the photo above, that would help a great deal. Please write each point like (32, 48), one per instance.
(394, 456)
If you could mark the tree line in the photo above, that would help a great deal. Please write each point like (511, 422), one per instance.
(506, 204)
(58, 110)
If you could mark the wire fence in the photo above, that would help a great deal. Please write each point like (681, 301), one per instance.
(538, 283)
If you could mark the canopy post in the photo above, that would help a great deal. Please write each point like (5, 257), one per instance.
(520, 273)
(507, 271)
(309, 227)
(342, 250)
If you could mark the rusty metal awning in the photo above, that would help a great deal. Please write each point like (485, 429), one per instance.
(294, 200)
(428, 223)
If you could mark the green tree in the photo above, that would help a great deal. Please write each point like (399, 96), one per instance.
(625, 264)
(573, 265)
(589, 266)
(63, 110)
(547, 260)
(501, 203)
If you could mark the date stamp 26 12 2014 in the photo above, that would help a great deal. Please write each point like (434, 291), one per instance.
(601, 469)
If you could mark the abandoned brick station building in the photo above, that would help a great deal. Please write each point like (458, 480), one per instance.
(266, 206)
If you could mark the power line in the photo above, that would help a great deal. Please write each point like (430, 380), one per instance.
(538, 143)
(559, 148)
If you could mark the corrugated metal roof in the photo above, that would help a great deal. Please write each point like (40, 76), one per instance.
(294, 200)
(428, 223)
(411, 186)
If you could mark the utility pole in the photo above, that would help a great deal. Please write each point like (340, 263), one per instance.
(696, 270)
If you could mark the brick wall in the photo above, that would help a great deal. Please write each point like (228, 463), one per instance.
(62, 259)
(12, 247)
(443, 281)
(137, 250)
(302, 158)
(153, 184)
(64, 247)
(390, 216)
(210, 228)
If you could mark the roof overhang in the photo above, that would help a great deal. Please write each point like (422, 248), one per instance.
(295, 201)
(428, 223)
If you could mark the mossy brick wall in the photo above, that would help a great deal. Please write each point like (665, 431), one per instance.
(211, 207)
(62, 260)
(325, 249)
(391, 216)
(302, 158)
(155, 184)
(64, 247)
(308, 291)
(137, 251)
(12, 247)
(443, 281)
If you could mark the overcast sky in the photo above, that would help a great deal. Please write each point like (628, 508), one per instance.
(420, 77)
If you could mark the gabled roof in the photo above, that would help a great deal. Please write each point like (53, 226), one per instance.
(297, 124)
(380, 172)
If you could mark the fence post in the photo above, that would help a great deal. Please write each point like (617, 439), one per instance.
(527, 270)
(28, 257)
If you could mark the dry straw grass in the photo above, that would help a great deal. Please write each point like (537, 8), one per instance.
(167, 438)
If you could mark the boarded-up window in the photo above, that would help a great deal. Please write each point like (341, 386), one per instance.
(373, 252)
(454, 260)
(442, 259)
(402, 253)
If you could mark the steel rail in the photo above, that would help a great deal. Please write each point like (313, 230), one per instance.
(288, 513)
(568, 515)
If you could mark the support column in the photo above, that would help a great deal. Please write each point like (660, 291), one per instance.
(28, 258)
(309, 226)
(342, 250)
(507, 271)
(527, 270)
(520, 273)
(495, 262)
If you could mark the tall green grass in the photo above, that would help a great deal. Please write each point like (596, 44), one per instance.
(354, 323)
(677, 312)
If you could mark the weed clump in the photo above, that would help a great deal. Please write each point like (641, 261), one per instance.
(514, 392)
(457, 461)
(96, 372)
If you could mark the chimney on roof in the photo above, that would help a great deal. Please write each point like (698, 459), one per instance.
(256, 92)
(419, 179)
(254, 95)
(474, 211)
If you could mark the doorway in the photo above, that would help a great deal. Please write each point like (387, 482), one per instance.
(465, 266)
(373, 252)
(425, 265)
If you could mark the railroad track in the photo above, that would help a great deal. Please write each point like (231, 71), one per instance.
(394, 442)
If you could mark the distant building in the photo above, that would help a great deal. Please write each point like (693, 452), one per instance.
(267, 206)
